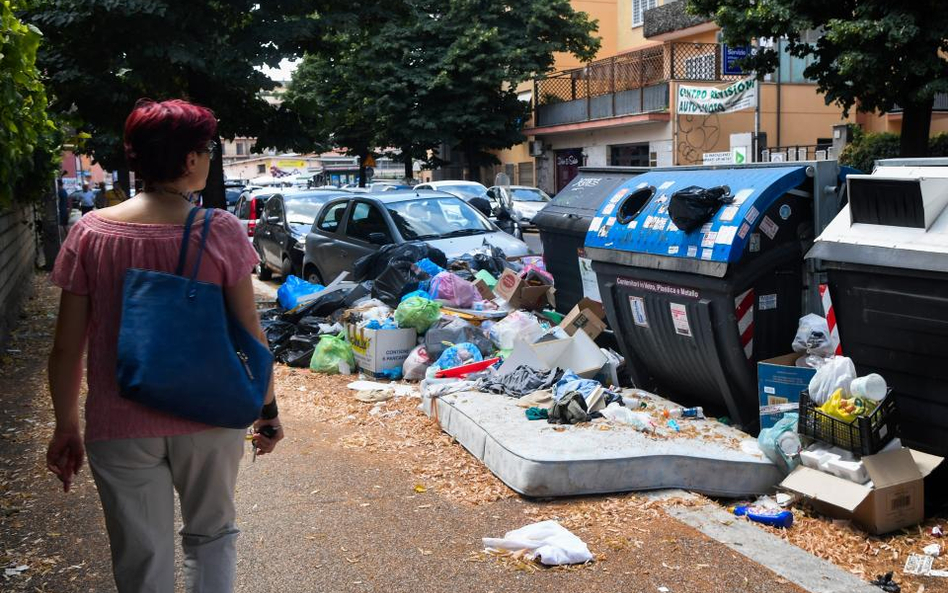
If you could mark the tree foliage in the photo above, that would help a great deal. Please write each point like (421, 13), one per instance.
(871, 54)
(28, 138)
(444, 71)
(866, 148)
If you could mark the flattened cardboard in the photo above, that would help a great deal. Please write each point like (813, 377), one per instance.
(578, 353)
(486, 293)
(587, 315)
(897, 500)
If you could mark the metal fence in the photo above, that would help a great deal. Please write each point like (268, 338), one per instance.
(800, 152)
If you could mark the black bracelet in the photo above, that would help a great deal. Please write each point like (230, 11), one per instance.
(269, 411)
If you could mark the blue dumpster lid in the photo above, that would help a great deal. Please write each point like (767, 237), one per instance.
(723, 239)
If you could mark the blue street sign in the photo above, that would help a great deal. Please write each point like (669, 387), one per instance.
(731, 55)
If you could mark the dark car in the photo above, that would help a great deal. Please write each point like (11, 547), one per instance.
(232, 192)
(353, 225)
(280, 233)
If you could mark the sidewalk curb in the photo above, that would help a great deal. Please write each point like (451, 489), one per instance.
(790, 562)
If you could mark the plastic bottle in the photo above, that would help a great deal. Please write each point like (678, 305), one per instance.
(633, 403)
(693, 413)
(772, 517)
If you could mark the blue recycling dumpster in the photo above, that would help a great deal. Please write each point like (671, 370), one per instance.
(694, 312)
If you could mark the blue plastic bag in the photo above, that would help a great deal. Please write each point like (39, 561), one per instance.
(388, 323)
(781, 444)
(459, 354)
(417, 293)
(429, 267)
(293, 289)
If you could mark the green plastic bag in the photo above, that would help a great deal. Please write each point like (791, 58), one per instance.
(417, 312)
(332, 356)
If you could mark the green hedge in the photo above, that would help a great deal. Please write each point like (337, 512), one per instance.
(866, 148)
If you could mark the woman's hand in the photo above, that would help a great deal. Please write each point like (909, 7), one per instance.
(263, 443)
(65, 455)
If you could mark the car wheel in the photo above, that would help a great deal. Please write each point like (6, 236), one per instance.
(312, 275)
(286, 267)
(264, 273)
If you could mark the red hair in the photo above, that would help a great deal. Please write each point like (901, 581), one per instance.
(159, 137)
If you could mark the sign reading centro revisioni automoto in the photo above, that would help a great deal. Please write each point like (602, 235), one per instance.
(705, 100)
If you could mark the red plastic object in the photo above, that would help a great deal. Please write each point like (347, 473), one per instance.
(466, 369)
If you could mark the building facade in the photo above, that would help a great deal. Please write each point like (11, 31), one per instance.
(620, 109)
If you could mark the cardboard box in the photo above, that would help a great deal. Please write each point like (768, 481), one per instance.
(779, 383)
(578, 353)
(486, 293)
(378, 350)
(894, 498)
(512, 288)
(587, 315)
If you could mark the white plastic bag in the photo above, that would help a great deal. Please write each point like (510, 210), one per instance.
(813, 337)
(549, 541)
(517, 325)
(620, 414)
(414, 367)
(838, 372)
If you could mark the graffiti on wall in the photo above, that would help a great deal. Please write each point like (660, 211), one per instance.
(697, 134)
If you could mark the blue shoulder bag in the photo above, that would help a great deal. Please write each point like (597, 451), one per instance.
(181, 352)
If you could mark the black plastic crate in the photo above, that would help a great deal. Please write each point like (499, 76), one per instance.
(865, 435)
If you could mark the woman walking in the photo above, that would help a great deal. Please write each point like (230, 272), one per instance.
(140, 456)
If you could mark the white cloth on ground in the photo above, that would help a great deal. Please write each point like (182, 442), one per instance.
(549, 541)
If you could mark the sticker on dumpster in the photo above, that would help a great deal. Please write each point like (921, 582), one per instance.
(679, 315)
(706, 254)
(767, 302)
(708, 239)
(665, 185)
(607, 209)
(728, 214)
(638, 311)
(769, 227)
(588, 276)
(744, 229)
(785, 211)
(742, 195)
(619, 195)
(754, 246)
(595, 224)
(668, 289)
(604, 231)
(706, 227)
(633, 224)
(752, 215)
(672, 226)
(726, 235)
(672, 250)
(692, 250)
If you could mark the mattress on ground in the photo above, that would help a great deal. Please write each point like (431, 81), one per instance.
(539, 459)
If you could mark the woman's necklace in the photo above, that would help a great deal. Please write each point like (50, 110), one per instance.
(170, 190)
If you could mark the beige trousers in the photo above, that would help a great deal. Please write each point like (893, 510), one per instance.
(137, 478)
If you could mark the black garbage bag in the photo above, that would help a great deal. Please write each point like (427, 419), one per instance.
(691, 207)
(269, 313)
(371, 266)
(455, 331)
(309, 326)
(321, 306)
(278, 332)
(398, 279)
(299, 350)
(495, 263)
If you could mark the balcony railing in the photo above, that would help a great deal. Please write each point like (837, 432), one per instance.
(628, 84)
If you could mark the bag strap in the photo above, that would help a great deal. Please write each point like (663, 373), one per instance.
(208, 215)
(183, 253)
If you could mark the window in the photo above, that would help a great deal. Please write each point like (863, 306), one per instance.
(274, 208)
(638, 10)
(243, 208)
(525, 173)
(240, 148)
(701, 67)
(629, 155)
(435, 218)
(331, 217)
(261, 169)
(365, 219)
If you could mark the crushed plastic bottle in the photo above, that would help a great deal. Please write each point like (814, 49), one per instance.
(772, 517)
(696, 413)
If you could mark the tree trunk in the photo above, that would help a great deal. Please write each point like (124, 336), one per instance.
(409, 170)
(473, 169)
(362, 167)
(916, 125)
(124, 178)
(213, 194)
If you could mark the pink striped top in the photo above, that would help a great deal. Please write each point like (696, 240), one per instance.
(93, 261)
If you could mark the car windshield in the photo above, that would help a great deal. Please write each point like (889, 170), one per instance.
(465, 191)
(302, 211)
(528, 195)
(435, 218)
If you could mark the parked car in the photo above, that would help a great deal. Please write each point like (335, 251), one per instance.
(526, 201)
(249, 206)
(280, 236)
(462, 189)
(354, 225)
(232, 191)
